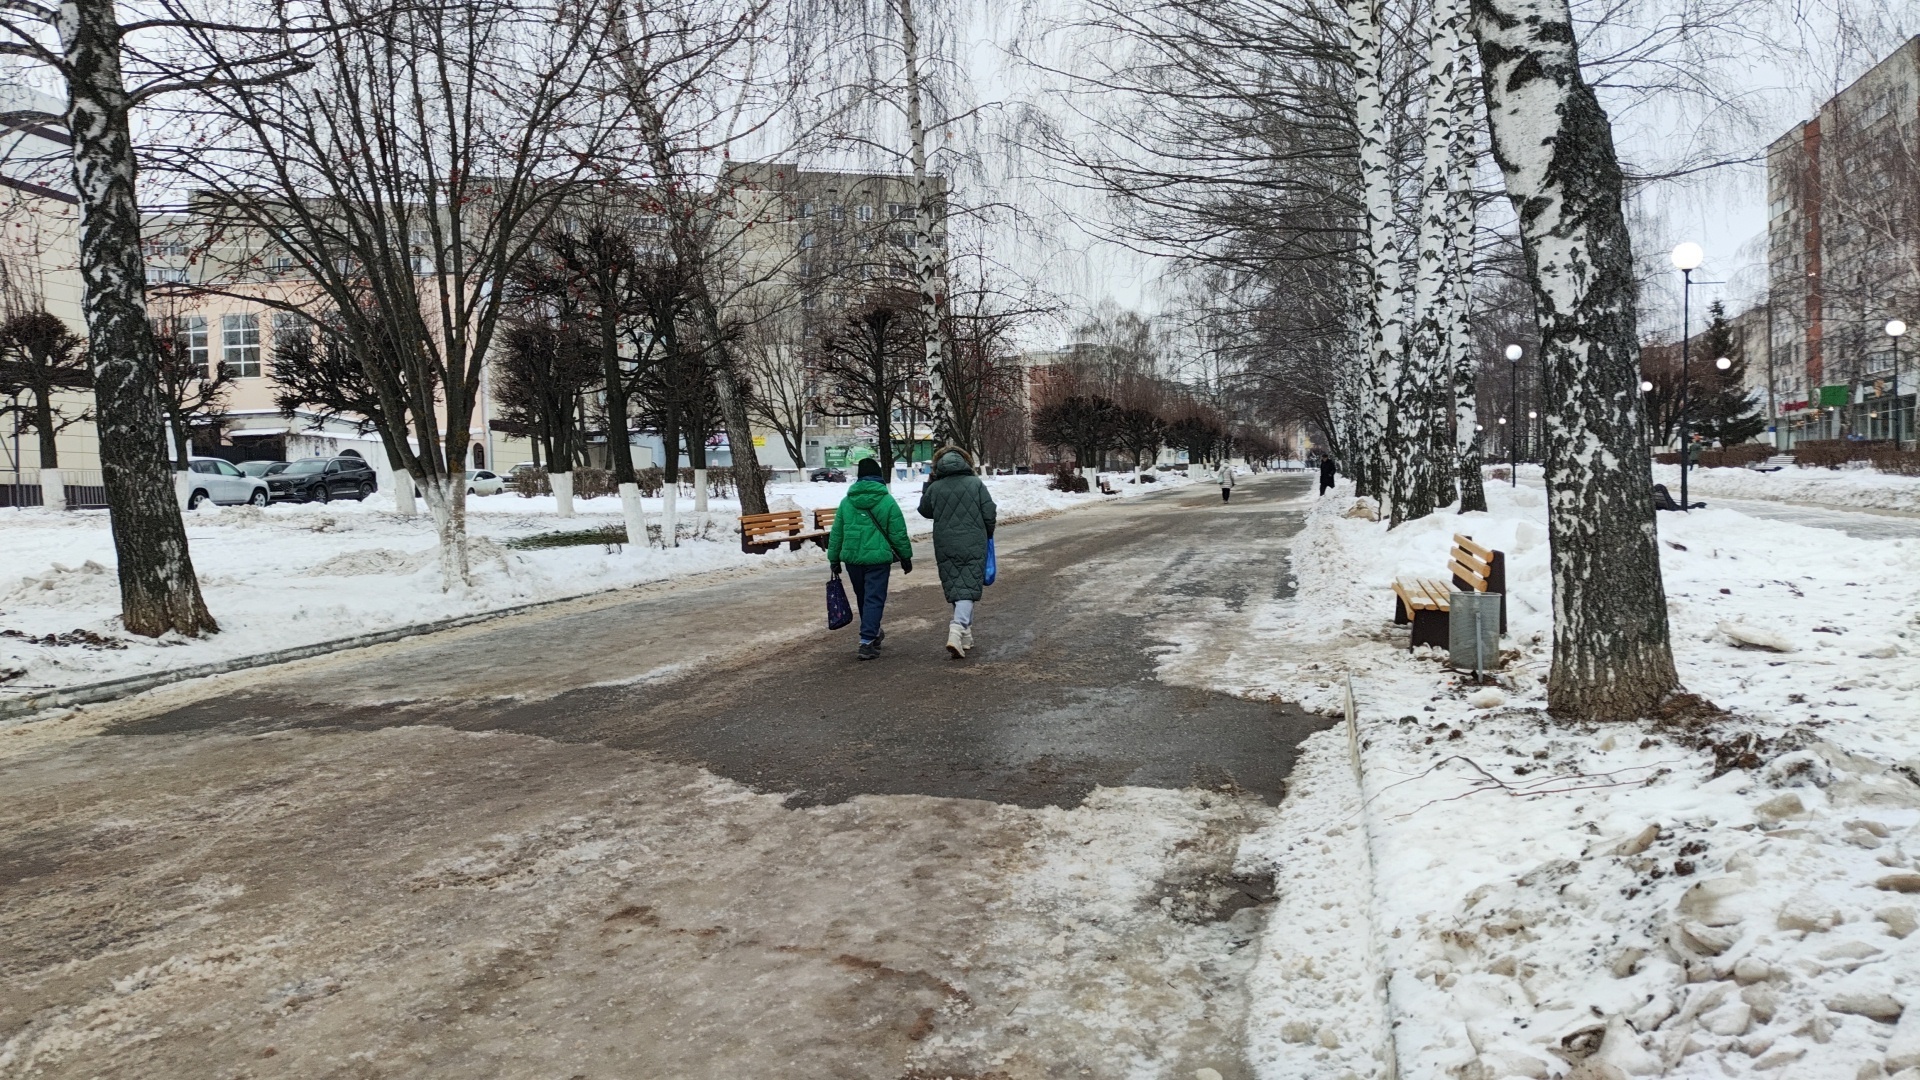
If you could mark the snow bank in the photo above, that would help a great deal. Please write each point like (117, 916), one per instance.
(1709, 894)
(296, 574)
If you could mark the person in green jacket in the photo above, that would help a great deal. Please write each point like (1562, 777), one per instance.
(963, 517)
(869, 533)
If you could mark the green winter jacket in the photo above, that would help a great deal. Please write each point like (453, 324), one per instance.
(856, 538)
(963, 517)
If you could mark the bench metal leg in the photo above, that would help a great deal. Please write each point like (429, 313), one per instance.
(1400, 611)
(1429, 628)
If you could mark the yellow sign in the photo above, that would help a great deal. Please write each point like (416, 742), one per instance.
(759, 442)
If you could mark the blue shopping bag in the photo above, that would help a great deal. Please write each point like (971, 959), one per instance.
(839, 612)
(993, 565)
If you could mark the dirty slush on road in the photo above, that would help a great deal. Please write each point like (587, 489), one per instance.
(231, 887)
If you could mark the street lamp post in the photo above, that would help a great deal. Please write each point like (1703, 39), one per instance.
(1513, 409)
(1895, 328)
(1686, 257)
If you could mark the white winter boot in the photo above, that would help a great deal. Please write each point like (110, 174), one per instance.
(957, 641)
(966, 637)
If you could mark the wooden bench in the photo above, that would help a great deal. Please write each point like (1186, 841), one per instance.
(1424, 601)
(761, 533)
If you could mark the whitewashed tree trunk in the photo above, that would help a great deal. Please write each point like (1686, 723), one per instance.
(403, 493)
(1612, 649)
(700, 501)
(562, 483)
(446, 502)
(670, 514)
(53, 489)
(928, 274)
(635, 512)
(159, 592)
(1385, 311)
(1422, 384)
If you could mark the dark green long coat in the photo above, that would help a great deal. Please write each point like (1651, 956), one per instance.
(963, 518)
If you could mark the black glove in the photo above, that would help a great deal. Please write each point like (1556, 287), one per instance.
(835, 567)
(906, 566)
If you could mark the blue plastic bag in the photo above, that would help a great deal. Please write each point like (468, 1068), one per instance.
(839, 612)
(992, 565)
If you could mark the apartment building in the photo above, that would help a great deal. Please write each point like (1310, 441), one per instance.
(1843, 257)
(820, 240)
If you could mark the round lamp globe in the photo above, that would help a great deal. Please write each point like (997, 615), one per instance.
(1688, 255)
(1895, 327)
(1514, 352)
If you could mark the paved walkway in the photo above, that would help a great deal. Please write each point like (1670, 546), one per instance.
(683, 834)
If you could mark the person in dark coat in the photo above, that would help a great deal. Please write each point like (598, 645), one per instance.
(963, 518)
(1326, 474)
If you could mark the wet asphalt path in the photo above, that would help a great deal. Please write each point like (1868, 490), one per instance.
(739, 677)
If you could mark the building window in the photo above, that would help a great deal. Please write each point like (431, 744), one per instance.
(863, 213)
(166, 275)
(240, 345)
(289, 328)
(806, 240)
(837, 212)
(282, 264)
(806, 209)
(190, 337)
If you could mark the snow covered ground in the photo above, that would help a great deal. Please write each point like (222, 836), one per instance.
(297, 574)
(1853, 487)
(1714, 893)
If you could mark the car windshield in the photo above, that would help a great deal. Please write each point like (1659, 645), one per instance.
(307, 465)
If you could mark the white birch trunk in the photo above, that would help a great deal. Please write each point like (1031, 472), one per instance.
(53, 489)
(1422, 385)
(562, 483)
(635, 512)
(1386, 305)
(1462, 363)
(446, 502)
(670, 514)
(1612, 647)
(158, 589)
(927, 273)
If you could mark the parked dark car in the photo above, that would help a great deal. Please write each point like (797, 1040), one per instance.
(323, 480)
(829, 474)
(261, 468)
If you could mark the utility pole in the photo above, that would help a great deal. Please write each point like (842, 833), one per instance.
(1512, 419)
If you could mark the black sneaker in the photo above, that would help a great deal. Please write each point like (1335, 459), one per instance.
(868, 650)
(879, 639)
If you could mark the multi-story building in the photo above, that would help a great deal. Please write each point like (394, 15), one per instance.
(820, 243)
(1843, 256)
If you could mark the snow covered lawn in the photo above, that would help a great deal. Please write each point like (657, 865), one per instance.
(297, 574)
(1712, 893)
(1855, 487)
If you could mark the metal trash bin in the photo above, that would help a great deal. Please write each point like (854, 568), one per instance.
(1473, 631)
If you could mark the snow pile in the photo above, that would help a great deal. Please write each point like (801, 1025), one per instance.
(296, 574)
(1703, 894)
(1855, 487)
(1316, 1006)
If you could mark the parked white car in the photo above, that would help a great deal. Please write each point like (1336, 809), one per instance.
(216, 480)
(482, 482)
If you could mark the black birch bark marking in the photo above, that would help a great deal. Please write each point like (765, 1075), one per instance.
(1612, 655)
(158, 590)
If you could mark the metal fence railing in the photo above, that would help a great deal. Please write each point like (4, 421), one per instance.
(85, 489)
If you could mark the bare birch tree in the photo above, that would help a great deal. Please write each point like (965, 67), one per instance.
(1612, 652)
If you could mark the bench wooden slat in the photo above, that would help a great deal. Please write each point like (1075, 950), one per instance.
(1471, 577)
(1480, 567)
(1484, 553)
(823, 519)
(1441, 591)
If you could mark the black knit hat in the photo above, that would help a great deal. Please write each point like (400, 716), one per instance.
(868, 467)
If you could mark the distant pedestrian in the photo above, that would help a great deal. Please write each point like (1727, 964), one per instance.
(963, 518)
(1326, 474)
(1224, 477)
(869, 534)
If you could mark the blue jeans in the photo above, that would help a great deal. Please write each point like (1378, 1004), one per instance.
(870, 595)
